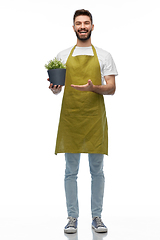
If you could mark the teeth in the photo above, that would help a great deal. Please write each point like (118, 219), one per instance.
(82, 31)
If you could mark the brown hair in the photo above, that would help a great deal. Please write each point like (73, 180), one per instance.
(82, 12)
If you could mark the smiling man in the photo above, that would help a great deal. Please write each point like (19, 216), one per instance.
(90, 74)
(81, 29)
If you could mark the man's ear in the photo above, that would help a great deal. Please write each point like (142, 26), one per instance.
(92, 27)
(74, 28)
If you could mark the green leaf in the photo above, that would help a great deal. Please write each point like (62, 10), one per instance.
(54, 64)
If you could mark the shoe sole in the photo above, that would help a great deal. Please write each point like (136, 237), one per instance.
(100, 230)
(70, 230)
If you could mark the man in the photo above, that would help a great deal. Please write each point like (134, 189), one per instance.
(90, 74)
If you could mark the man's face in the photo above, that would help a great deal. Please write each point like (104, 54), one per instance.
(83, 27)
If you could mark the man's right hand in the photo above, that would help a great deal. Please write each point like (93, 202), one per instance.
(55, 88)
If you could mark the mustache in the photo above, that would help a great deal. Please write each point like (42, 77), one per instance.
(83, 29)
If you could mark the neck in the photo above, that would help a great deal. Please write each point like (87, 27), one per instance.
(86, 43)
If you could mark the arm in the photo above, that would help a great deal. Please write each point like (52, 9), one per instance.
(108, 89)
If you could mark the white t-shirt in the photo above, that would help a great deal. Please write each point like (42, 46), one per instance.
(106, 62)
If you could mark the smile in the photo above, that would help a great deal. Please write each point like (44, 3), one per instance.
(83, 32)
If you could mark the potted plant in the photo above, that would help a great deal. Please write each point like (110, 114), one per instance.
(56, 71)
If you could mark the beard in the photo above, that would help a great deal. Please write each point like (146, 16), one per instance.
(84, 38)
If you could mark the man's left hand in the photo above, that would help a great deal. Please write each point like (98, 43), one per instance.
(86, 87)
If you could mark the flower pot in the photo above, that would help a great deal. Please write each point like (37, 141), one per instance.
(57, 76)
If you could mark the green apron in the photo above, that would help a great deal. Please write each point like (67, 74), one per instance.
(83, 123)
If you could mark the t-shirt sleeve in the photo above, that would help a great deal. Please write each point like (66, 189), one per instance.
(109, 67)
(63, 55)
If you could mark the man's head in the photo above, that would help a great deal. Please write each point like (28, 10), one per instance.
(83, 24)
(82, 12)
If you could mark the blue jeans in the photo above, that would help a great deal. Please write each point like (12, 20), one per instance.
(97, 183)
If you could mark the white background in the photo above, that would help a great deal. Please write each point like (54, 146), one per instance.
(31, 176)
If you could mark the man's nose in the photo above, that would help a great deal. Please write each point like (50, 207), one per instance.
(83, 25)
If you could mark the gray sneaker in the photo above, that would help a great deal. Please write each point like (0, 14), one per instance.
(71, 227)
(98, 225)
